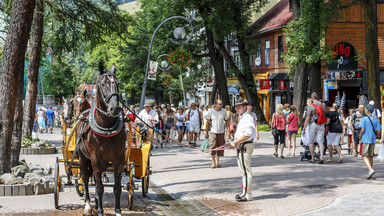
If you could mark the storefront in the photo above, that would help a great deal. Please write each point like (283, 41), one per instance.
(344, 78)
(281, 90)
(263, 92)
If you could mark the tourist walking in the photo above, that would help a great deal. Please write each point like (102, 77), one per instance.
(194, 116)
(279, 120)
(347, 122)
(315, 120)
(217, 120)
(370, 129)
(336, 129)
(355, 127)
(50, 114)
(244, 135)
(170, 124)
(293, 127)
(159, 127)
(180, 123)
(41, 120)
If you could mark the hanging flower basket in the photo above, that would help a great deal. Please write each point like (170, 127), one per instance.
(166, 79)
(180, 58)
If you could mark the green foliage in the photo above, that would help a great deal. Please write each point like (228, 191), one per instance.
(305, 35)
(264, 127)
(299, 133)
(27, 142)
(59, 75)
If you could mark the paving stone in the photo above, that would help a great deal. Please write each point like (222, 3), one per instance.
(15, 190)
(22, 190)
(2, 190)
(7, 190)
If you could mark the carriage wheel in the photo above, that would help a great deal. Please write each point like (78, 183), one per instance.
(80, 186)
(56, 184)
(145, 181)
(131, 186)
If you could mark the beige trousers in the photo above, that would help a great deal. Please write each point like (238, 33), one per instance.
(244, 157)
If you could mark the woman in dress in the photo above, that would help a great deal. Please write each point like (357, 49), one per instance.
(41, 120)
(279, 120)
(170, 123)
(293, 126)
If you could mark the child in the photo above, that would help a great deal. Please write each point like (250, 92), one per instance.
(370, 128)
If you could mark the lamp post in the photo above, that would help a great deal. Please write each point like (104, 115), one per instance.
(178, 33)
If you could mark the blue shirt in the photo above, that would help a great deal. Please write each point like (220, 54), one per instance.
(50, 114)
(369, 136)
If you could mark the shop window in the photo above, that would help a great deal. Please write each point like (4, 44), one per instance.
(258, 52)
(267, 47)
(280, 48)
(251, 58)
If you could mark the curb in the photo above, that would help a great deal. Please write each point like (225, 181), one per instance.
(26, 189)
(37, 151)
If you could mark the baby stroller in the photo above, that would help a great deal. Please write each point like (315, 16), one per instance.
(307, 154)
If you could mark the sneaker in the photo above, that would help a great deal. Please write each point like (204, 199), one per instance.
(370, 174)
(355, 154)
(213, 165)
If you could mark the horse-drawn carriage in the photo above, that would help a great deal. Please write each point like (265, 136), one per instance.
(100, 140)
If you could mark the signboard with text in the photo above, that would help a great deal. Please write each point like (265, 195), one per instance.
(344, 75)
(264, 84)
(344, 57)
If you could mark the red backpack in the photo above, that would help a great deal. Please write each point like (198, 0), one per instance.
(320, 117)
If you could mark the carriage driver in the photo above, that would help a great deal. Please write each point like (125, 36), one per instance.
(148, 115)
(245, 133)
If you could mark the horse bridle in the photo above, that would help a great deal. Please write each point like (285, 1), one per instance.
(69, 120)
(114, 90)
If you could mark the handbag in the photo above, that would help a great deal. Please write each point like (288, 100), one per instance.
(275, 131)
(204, 145)
(380, 156)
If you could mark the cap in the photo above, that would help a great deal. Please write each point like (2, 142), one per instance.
(241, 101)
(372, 102)
(369, 107)
(147, 104)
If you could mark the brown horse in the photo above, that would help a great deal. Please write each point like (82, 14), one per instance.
(101, 140)
(81, 104)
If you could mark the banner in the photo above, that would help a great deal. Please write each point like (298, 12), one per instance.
(152, 70)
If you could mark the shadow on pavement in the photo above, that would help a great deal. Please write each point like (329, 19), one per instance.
(271, 196)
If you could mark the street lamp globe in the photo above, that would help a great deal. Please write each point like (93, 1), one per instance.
(164, 64)
(179, 33)
(199, 66)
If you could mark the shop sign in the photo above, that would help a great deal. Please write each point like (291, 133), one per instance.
(232, 89)
(258, 61)
(264, 84)
(344, 57)
(282, 84)
(343, 75)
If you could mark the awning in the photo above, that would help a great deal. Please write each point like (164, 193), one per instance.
(278, 76)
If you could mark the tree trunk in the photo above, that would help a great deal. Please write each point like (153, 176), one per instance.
(295, 5)
(372, 51)
(33, 69)
(314, 72)
(301, 86)
(217, 62)
(246, 80)
(17, 127)
(213, 95)
(11, 69)
(133, 92)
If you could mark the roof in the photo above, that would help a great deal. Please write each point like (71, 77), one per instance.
(276, 17)
(84, 86)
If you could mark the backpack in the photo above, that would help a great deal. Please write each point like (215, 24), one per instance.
(319, 117)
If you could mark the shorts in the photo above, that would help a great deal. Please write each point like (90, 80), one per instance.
(216, 140)
(159, 130)
(350, 137)
(368, 149)
(316, 132)
(292, 132)
(333, 138)
(194, 128)
(168, 127)
(180, 128)
(356, 134)
(50, 123)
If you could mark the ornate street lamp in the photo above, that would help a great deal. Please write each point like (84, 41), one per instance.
(179, 34)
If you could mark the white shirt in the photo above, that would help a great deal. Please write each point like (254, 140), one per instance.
(246, 126)
(180, 119)
(376, 113)
(193, 116)
(254, 116)
(217, 119)
(145, 116)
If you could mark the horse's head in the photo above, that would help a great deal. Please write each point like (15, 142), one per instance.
(108, 91)
(68, 110)
(81, 103)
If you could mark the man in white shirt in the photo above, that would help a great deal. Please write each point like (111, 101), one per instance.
(148, 115)
(218, 117)
(376, 113)
(244, 135)
(194, 117)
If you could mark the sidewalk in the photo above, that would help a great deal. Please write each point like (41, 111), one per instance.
(280, 186)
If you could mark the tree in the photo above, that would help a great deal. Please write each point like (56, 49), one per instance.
(226, 18)
(12, 69)
(33, 69)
